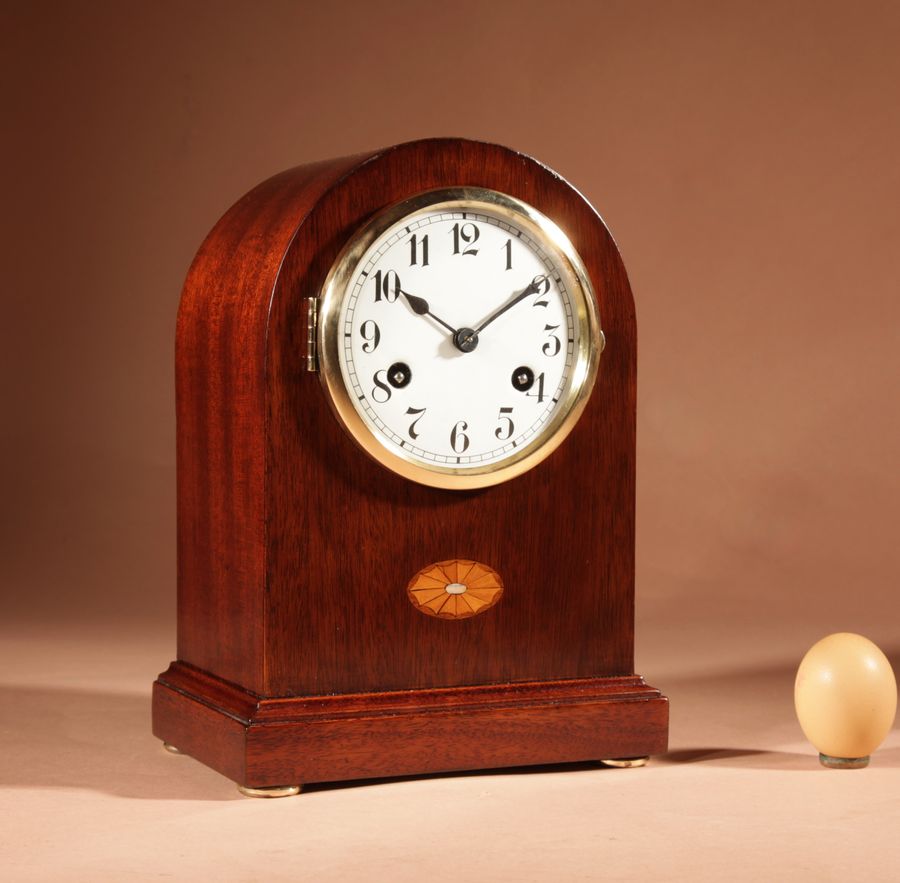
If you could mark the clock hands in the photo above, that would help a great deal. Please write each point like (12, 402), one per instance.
(466, 339)
(532, 288)
(420, 307)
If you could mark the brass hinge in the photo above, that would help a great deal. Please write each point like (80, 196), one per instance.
(312, 315)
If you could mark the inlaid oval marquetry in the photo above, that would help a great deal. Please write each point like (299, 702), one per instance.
(455, 589)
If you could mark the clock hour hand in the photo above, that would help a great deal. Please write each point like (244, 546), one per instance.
(420, 307)
(532, 288)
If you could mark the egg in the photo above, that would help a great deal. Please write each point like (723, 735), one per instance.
(845, 695)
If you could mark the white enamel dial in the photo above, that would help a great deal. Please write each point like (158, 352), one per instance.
(465, 335)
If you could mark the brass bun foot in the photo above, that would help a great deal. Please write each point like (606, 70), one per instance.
(843, 763)
(272, 791)
(171, 748)
(626, 763)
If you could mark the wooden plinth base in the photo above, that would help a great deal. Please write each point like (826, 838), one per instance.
(260, 742)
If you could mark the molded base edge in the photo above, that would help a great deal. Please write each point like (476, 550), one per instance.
(260, 742)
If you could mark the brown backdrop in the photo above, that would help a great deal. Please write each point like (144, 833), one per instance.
(745, 156)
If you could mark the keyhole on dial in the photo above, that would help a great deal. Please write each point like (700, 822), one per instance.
(399, 375)
(523, 379)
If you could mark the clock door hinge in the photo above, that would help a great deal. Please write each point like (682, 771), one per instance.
(312, 317)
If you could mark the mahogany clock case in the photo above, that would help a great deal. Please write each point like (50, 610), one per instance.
(300, 655)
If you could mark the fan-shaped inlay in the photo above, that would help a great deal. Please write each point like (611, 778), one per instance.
(455, 589)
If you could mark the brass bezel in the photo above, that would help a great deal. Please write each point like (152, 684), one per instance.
(582, 376)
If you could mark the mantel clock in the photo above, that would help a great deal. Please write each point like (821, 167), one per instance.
(406, 453)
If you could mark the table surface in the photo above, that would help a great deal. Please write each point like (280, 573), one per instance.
(87, 793)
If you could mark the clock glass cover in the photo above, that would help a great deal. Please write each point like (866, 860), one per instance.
(459, 337)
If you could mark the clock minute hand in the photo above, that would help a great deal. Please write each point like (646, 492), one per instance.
(532, 288)
(420, 307)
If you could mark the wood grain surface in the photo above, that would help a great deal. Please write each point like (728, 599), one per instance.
(262, 742)
(345, 535)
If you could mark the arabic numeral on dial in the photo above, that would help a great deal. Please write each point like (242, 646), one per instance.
(554, 344)
(387, 284)
(371, 334)
(385, 390)
(542, 285)
(465, 235)
(508, 249)
(412, 426)
(537, 391)
(418, 248)
(459, 441)
(506, 428)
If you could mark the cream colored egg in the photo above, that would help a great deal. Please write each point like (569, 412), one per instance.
(846, 697)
